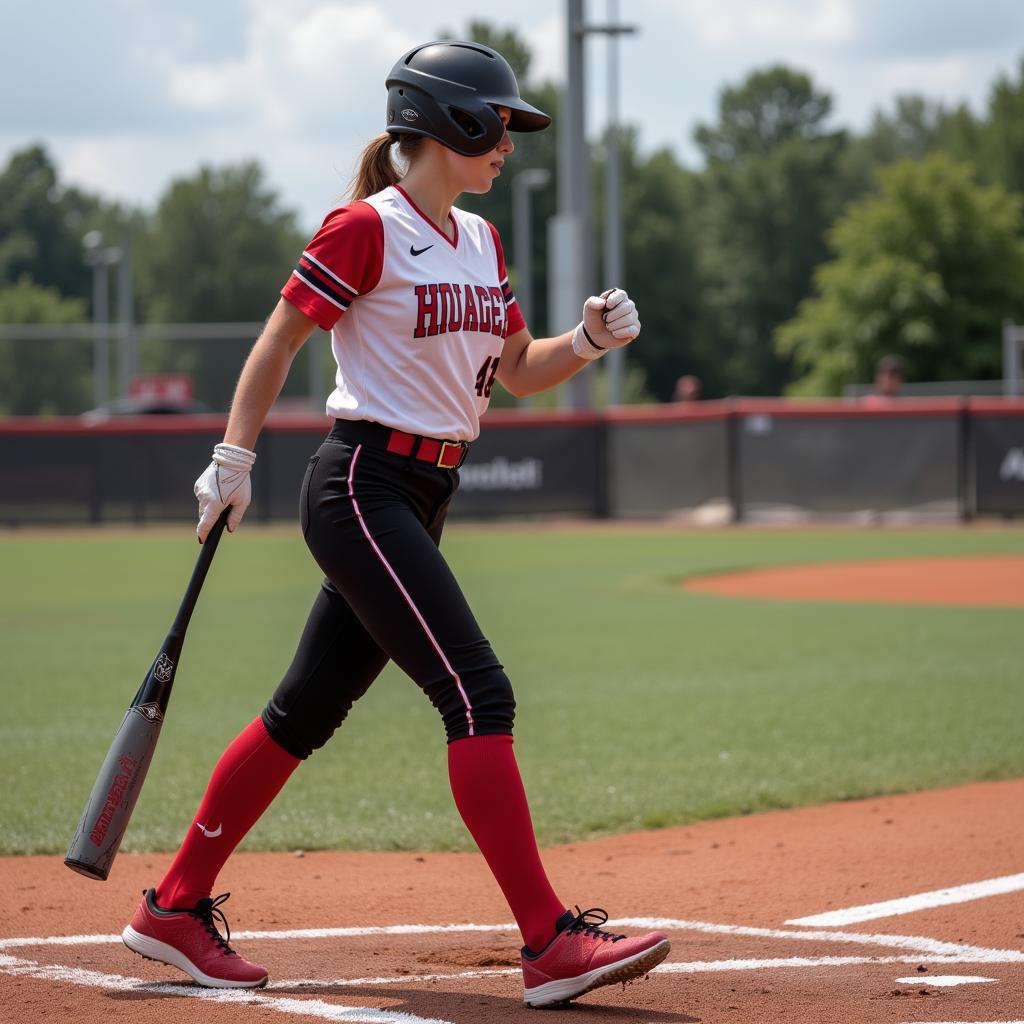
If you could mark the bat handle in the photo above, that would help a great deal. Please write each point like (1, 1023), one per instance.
(213, 537)
(202, 567)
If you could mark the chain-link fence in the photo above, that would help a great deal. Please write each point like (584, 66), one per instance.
(71, 369)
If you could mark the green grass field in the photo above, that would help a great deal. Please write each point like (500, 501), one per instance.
(640, 705)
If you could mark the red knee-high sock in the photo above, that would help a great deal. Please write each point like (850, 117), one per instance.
(490, 797)
(248, 776)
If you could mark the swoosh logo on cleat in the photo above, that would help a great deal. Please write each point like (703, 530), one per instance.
(413, 251)
(206, 832)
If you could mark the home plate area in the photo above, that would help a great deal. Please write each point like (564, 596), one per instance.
(893, 910)
(456, 973)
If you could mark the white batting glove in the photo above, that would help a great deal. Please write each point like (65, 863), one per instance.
(609, 321)
(225, 482)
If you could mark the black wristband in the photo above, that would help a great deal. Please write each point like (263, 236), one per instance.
(594, 344)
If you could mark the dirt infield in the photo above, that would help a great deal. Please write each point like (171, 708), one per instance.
(738, 898)
(994, 581)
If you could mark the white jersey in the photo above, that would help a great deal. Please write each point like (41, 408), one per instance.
(418, 320)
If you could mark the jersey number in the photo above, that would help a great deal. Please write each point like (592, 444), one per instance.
(485, 378)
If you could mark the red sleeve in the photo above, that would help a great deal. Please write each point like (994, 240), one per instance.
(513, 314)
(343, 261)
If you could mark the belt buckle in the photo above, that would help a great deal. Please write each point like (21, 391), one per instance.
(445, 445)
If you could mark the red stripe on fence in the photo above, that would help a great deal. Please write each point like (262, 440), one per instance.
(525, 418)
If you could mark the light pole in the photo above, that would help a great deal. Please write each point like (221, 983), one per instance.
(127, 360)
(100, 259)
(570, 272)
(614, 269)
(523, 184)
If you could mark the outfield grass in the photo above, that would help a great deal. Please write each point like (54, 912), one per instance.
(640, 704)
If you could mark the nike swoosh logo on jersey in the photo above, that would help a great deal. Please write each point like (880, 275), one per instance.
(413, 251)
(208, 833)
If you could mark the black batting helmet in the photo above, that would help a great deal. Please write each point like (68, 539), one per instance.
(448, 91)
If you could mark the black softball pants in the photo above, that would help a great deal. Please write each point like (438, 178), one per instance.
(373, 522)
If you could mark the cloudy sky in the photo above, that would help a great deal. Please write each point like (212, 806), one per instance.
(128, 94)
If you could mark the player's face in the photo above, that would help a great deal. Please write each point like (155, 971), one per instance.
(480, 171)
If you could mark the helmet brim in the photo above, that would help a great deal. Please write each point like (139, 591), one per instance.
(524, 117)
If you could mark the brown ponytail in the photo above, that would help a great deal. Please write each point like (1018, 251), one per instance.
(377, 169)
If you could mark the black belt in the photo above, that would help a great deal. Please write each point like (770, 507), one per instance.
(443, 454)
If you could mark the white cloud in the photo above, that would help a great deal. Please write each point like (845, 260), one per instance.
(546, 40)
(134, 92)
(332, 34)
(304, 66)
(944, 76)
(118, 167)
(719, 25)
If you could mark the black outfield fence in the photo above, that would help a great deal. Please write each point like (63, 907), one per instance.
(712, 462)
(995, 455)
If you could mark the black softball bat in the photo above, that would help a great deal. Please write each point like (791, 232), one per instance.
(117, 787)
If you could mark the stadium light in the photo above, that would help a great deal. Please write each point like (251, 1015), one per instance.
(101, 259)
(571, 229)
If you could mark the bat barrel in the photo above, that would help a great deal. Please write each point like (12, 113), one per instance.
(110, 805)
(89, 870)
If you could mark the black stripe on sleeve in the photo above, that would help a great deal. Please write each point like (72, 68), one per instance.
(318, 284)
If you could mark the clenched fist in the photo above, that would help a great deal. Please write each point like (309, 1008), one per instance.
(609, 321)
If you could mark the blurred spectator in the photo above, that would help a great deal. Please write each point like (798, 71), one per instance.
(687, 389)
(888, 381)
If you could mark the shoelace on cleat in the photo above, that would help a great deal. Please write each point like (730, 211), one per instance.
(206, 911)
(587, 922)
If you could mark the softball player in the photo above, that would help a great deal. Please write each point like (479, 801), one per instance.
(416, 296)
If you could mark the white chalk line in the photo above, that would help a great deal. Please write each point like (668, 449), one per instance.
(674, 967)
(944, 980)
(920, 945)
(301, 1007)
(911, 904)
(363, 1015)
(935, 951)
(82, 976)
(915, 943)
(288, 933)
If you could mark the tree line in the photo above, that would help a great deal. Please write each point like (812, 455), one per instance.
(795, 257)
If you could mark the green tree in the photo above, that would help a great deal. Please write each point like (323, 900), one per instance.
(767, 197)
(771, 107)
(219, 248)
(659, 215)
(925, 270)
(1003, 146)
(915, 128)
(44, 377)
(42, 224)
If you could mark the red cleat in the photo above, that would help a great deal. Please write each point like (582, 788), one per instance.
(581, 957)
(189, 940)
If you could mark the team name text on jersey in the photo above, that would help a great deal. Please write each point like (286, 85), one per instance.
(443, 308)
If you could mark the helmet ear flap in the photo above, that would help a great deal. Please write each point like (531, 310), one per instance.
(405, 109)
